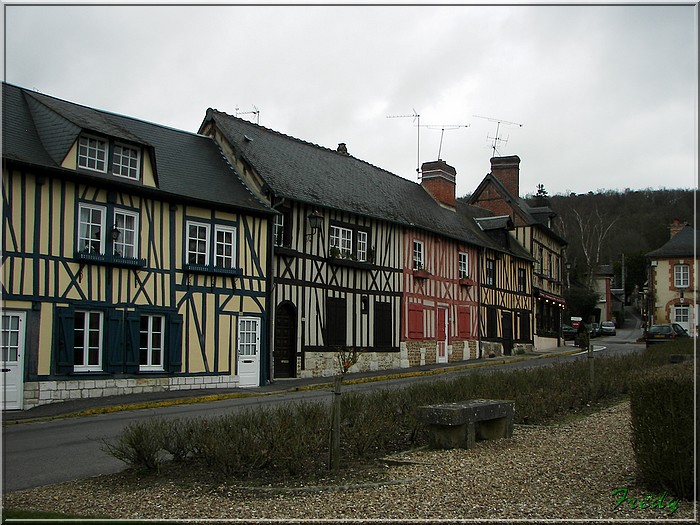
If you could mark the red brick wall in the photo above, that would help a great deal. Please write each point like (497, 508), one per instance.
(443, 191)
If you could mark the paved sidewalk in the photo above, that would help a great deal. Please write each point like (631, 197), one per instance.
(88, 406)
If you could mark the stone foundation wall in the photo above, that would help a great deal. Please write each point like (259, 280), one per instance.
(325, 364)
(44, 392)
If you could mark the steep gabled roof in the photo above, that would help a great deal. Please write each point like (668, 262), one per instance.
(39, 130)
(312, 174)
(532, 216)
(682, 244)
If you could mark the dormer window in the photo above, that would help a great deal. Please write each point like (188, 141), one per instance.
(97, 154)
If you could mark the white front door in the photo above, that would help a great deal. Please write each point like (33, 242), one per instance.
(248, 351)
(12, 376)
(682, 316)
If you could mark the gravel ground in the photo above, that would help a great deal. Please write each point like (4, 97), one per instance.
(560, 472)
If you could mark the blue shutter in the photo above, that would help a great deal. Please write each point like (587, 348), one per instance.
(133, 327)
(115, 341)
(174, 363)
(65, 319)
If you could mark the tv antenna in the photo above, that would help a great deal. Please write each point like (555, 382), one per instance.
(496, 139)
(415, 117)
(442, 128)
(255, 112)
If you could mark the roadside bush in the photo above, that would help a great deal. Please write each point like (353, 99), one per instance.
(663, 428)
(140, 445)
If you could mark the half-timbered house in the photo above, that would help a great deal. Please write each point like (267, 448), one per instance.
(499, 192)
(134, 257)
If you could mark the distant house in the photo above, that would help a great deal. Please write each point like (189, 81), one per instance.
(602, 284)
(499, 192)
(134, 257)
(673, 285)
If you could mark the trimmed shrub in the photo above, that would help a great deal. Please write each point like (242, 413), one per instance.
(140, 445)
(662, 428)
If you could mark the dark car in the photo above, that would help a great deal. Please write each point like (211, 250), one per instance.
(607, 328)
(661, 333)
(568, 332)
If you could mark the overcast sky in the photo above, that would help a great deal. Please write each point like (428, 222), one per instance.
(606, 95)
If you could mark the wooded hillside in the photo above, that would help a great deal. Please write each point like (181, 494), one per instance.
(600, 227)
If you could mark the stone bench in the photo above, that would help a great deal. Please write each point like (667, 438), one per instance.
(460, 425)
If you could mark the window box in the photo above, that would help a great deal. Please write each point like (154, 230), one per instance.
(350, 263)
(110, 260)
(421, 273)
(466, 281)
(211, 270)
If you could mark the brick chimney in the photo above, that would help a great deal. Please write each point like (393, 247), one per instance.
(439, 180)
(677, 226)
(507, 171)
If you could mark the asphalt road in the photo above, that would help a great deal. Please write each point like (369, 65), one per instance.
(42, 453)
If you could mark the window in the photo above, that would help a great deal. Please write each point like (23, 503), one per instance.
(125, 161)
(522, 280)
(278, 230)
(682, 314)
(92, 153)
(418, 262)
(248, 336)
(341, 238)
(225, 248)
(490, 272)
(361, 246)
(463, 265)
(151, 341)
(550, 266)
(91, 227)
(197, 243)
(128, 224)
(87, 341)
(681, 274)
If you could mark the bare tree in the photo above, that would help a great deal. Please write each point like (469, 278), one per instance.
(592, 230)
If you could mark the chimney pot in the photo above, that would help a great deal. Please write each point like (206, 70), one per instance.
(343, 149)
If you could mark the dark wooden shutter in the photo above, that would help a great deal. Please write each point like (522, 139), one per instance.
(491, 322)
(464, 323)
(115, 341)
(174, 353)
(415, 321)
(65, 319)
(336, 321)
(133, 328)
(382, 325)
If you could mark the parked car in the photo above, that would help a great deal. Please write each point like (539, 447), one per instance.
(660, 333)
(595, 329)
(607, 328)
(568, 332)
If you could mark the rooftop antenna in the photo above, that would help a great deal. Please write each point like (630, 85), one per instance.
(442, 128)
(255, 112)
(496, 139)
(415, 117)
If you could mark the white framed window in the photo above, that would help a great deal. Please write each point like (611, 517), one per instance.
(490, 272)
(197, 243)
(87, 341)
(681, 314)
(463, 265)
(278, 230)
(126, 161)
(92, 153)
(341, 238)
(126, 244)
(248, 336)
(151, 342)
(361, 246)
(224, 246)
(418, 260)
(681, 276)
(91, 228)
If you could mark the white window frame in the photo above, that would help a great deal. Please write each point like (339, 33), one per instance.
(685, 317)
(362, 243)
(189, 254)
(95, 367)
(278, 230)
(248, 335)
(219, 229)
(121, 244)
(463, 265)
(341, 238)
(82, 234)
(149, 347)
(418, 255)
(89, 148)
(681, 275)
(131, 163)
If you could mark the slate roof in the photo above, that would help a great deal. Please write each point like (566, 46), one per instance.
(533, 216)
(681, 244)
(39, 130)
(323, 177)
